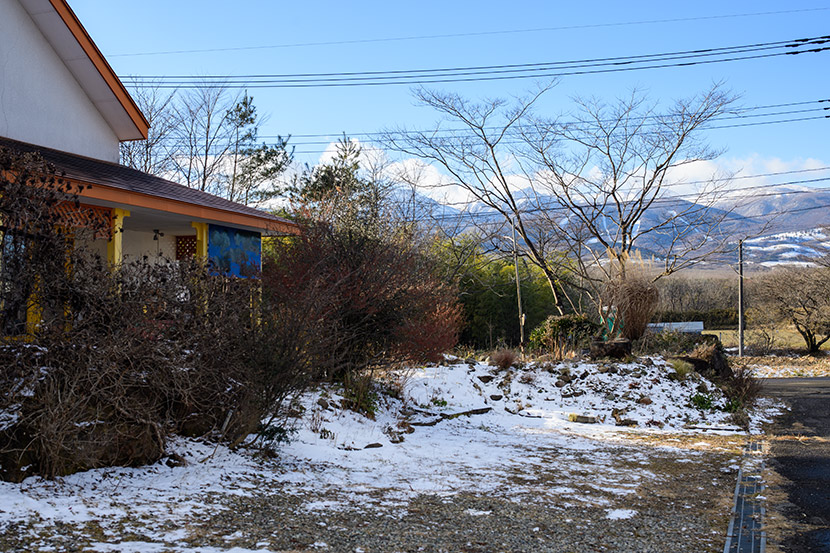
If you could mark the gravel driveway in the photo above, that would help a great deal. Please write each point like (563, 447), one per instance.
(650, 498)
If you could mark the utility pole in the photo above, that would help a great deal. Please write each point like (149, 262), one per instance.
(518, 289)
(740, 298)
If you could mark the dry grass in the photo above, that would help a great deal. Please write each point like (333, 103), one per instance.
(785, 337)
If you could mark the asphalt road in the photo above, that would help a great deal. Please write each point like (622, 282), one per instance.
(800, 452)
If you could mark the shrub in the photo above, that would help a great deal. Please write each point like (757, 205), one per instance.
(559, 334)
(702, 401)
(503, 358)
(682, 369)
(635, 298)
(671, 342)
(377, 299)
(742, 389)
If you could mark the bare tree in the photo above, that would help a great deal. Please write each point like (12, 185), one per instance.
(583, 194)
(800, 297)
(204, 134)
(156, 154)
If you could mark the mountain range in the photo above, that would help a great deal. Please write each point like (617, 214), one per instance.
(780, 225)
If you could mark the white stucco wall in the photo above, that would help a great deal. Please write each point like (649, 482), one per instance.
(138, 244)
(40, 101)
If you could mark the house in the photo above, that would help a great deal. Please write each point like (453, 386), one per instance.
(60, 97)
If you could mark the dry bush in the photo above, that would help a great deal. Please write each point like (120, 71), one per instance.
(503, 358)
(742, 388)
(125, 356)
(635, 298)
(379, 301)
(135, 354)
(558, 335)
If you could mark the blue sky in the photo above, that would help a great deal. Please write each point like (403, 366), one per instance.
(585, 30)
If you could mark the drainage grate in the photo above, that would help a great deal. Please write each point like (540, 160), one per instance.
(745, 534)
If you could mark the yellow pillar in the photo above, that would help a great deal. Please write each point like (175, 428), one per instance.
(115, 247)
(34, 311)
(201, 239)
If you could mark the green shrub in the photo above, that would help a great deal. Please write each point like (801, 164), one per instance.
(702, 401)
(559, 334)
(671, 342)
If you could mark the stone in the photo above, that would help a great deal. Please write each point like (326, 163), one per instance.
(619, 348)
(582, 419)
(584, 375)
(374, 445)
(560, 384)
(703, 388)
(323, 403)
(496, 397)
(645, 400)
(485, 378)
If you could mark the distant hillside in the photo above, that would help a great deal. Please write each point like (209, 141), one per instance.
(787, 221)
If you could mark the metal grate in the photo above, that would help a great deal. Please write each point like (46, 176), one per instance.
(745, 533)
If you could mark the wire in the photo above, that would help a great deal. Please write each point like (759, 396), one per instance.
(173, 141)
(462, 35)
(485, 73)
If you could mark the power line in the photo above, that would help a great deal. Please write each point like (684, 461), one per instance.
(489, 73)
(487, 68)
(451, 130)
(463, 35)
(462, 133)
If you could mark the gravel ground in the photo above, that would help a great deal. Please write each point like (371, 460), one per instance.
(680, 501)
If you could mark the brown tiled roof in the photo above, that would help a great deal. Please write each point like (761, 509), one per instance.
(94, 171)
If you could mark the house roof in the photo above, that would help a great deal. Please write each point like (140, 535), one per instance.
(62, 29)
(114, 183)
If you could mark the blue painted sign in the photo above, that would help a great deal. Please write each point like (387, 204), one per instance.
(234, 252)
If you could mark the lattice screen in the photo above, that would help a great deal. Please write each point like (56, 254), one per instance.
(185, 247)
(87, 216)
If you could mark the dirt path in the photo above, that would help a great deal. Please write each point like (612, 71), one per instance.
(800, 465)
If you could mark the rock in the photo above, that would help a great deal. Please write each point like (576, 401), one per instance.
(703, 388)
(470, 361)
(566, 378)
(602, 369)
(647, 362)
(610, 397)
(582, 419)
(619, 348)
(485, 378)
(584, 375)
(612, 369)
(560, 384)
(323, 403)
(374, 445)
(576, 393)
(175, 460)
(626, 422)
(496, 397)
(645, 400)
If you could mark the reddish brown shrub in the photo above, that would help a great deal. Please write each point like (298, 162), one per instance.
(503, 358)
(377, 299)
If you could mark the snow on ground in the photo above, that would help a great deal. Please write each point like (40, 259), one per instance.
(766, 371)
(459, 427)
